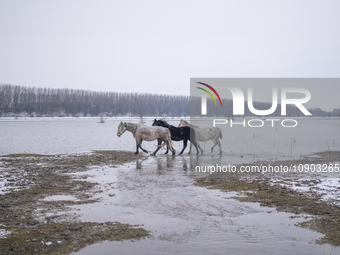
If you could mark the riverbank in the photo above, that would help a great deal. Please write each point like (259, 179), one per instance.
(305, 195)
(35, 198)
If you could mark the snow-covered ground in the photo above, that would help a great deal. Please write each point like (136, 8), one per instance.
(12, 180)
(328, 188)
(3, 179)
(3, 232)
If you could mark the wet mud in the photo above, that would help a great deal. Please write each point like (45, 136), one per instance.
(37, 225)
(321, 215)
(40, 226)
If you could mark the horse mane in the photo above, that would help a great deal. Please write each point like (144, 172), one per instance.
(133, 126)
(189, 124)
(164, 121)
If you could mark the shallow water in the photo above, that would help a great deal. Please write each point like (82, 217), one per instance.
(185, 219)
(158, 192)
(63, 135)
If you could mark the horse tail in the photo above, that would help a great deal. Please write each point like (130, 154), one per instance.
(221, 136)
(170, 143)
(160, 146)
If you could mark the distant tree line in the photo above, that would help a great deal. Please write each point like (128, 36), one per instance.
(22, 100)
(30, 101)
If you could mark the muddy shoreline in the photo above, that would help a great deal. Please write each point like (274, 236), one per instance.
(39, 226)
(323, 215)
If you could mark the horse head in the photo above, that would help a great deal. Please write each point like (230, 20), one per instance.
(161, 123)
(182, 123)
(155, 122)
(121, 128)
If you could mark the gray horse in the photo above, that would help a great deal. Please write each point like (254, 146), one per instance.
(142, 132)
(205, 134)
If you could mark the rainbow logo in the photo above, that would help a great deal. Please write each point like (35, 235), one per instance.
(218, 96)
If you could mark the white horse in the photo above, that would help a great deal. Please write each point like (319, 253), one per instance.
(142, 132)
(205, 134)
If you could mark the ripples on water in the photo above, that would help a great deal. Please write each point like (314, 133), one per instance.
(186, 219)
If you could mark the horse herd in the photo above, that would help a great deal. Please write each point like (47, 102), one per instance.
(166, 133)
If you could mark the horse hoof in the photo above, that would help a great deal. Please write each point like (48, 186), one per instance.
(136, 153)
(152, 154)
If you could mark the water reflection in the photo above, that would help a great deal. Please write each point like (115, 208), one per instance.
(185, 162)
(139, 163)
(166, 162)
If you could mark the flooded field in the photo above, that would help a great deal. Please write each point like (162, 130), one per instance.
(158, 192)
(186, 219)
(72, 135)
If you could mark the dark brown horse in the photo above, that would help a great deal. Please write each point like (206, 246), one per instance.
(179, 133)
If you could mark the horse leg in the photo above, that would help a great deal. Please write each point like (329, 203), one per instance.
(212, 148)
(219, 144)
(190, 148)
(137, 147)
(167, 147)
(173, 150)
(195, 144)
(199, 146)
(185, 143)
(158, 147)
(140, 146)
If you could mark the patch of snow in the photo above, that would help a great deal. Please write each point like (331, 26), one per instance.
(3, 181)
(3, 232)
(13, 182)
(60, 198)
(328, 188)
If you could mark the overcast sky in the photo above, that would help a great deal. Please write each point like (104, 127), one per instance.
(156, 46)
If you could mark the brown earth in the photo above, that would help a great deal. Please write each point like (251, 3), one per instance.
(44, 227)
(258, 187)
